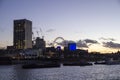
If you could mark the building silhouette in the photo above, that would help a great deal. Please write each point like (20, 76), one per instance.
(22, 34)
(40, 43)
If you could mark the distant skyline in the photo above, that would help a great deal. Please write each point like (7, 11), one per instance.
(92, 24)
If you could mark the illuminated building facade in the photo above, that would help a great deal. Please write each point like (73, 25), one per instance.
(22, 34)
(72, 46)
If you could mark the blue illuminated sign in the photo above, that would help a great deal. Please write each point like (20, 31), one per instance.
(58, 48)
(72, 46)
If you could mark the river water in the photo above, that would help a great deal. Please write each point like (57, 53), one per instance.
(95, 72)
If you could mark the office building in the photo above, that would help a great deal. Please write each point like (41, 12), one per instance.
(22, 34)
(40, 43)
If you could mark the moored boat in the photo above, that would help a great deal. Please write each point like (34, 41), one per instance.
(77, 64)
(100, 62)
(50, 65)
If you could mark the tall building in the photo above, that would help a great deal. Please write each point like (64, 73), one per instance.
(22, 34)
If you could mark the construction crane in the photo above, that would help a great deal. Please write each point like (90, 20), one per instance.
(37, 33)
(41, 33)
(33, 37)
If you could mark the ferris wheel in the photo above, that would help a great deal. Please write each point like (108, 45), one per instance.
(56, 41)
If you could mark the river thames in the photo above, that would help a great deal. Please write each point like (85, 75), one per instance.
(95, 72)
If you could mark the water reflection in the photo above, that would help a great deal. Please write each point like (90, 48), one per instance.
(21, 74)
(95, 72)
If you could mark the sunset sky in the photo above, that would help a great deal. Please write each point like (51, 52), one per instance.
(92, 24)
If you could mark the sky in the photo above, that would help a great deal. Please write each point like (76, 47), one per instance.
(93, 24)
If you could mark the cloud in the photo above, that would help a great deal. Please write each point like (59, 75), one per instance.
(111, 45)
(50, 30)
(91, 41)
(65, 42)
(81, 44)
(107, 39)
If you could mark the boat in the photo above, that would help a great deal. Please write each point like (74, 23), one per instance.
(108, 62)
(50, 65)
(100, 62)
(71, 64)
(77, 64)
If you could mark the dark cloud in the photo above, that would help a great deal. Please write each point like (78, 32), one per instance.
(50, 30)
(81, 44)
(66, 42)
(91, 41)
(111, 45)
(107, 39)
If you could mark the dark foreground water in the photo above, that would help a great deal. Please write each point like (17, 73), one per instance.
(95, 72)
